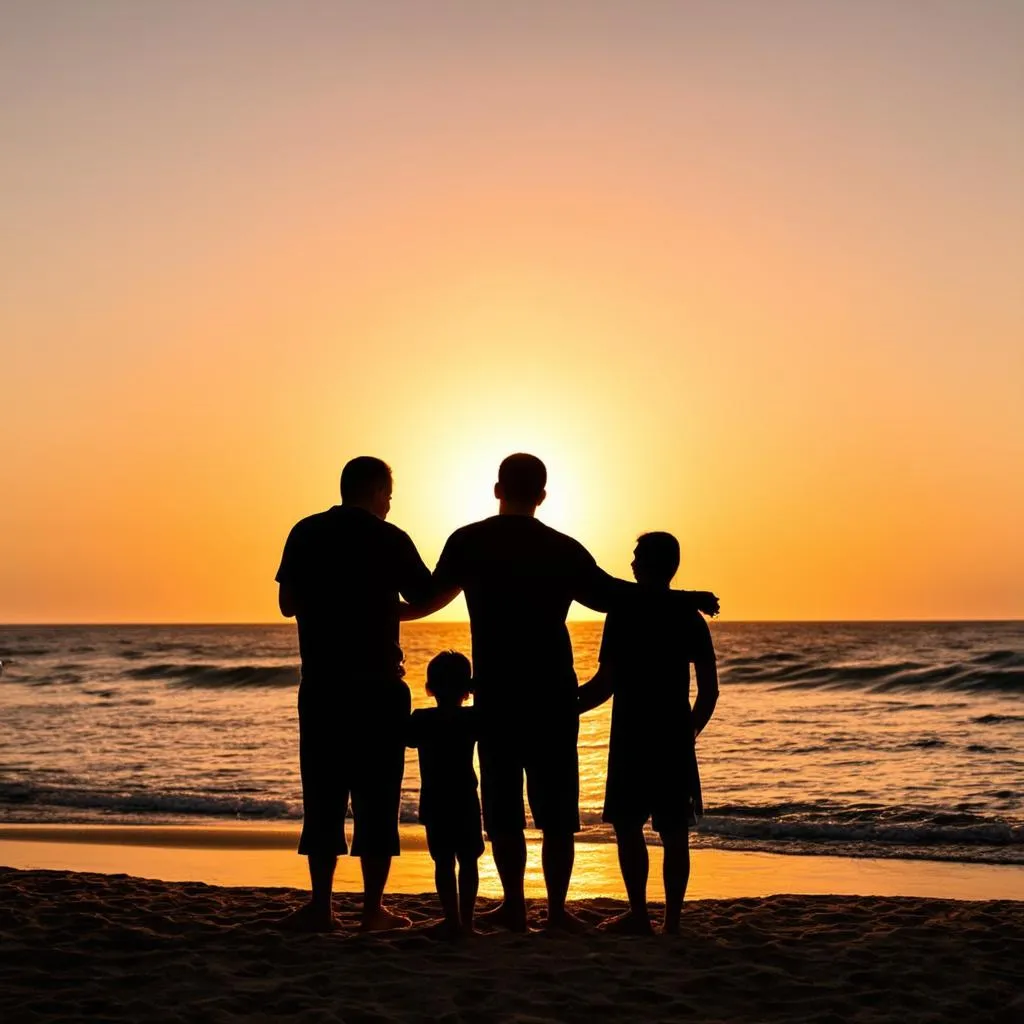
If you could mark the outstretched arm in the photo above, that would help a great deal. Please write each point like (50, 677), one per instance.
(703, 600)
(597, 691)
(599, 591)
(602, 592)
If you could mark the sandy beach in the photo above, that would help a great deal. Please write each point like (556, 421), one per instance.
(129, 934)
(79, 946)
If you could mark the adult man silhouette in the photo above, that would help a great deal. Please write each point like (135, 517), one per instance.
(520, 577)
(341, 575)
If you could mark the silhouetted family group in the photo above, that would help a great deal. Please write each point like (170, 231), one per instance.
(343, 576)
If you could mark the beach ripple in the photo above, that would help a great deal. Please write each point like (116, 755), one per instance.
(112, 947)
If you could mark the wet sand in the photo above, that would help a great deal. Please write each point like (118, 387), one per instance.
(246, 855)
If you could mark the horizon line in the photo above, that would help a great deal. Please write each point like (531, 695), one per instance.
(466, 622)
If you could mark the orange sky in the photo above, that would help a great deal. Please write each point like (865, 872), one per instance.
(746, 272)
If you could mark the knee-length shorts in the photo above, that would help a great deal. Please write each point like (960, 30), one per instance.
(352, 749)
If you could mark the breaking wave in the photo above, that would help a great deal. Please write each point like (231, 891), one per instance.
(860, 832)
(213, 675)
(999, 671)
(14, 794)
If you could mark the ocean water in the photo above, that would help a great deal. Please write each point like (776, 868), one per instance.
(851, 739)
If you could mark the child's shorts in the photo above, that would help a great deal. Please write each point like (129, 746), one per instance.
(463, 839)
(665, 790)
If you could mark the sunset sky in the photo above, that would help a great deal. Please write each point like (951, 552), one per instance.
(751, 272)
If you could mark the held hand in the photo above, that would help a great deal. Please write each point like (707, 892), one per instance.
(706, 602)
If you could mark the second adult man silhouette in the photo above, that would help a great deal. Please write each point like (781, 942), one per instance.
(341, 575)
(520, 577)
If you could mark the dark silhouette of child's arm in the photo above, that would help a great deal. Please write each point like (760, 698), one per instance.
(706, 670)
(597, 691)
(412, 731)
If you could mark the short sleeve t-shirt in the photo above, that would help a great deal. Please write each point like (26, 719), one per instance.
(445, 739)
(650, 642)
(346, 569)
(519, 577)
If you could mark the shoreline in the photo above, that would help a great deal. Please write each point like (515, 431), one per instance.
(243, 855)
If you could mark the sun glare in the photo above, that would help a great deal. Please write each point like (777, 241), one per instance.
(471, 469)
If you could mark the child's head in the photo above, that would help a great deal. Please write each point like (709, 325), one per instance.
(655, 558)
(449, 678)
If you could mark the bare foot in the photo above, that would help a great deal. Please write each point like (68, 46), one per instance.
(670, 928)
(447, 930)
(504, 916)
(627, 924)
(565, 923)
(308, 919)
(383, 920)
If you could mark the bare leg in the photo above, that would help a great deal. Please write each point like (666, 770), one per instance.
(444, 879)
(510, 859)
(634, 864)
(677, 875)
(558, 854)
(469, 882)
(375, 876)
(318, 914)
(321, 880)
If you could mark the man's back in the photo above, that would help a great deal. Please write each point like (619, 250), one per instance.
(519, 577)
(345, 569)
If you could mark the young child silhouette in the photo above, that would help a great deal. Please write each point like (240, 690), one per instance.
(449, 806)
(646, 653)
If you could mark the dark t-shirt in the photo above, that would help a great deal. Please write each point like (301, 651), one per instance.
(346, 569)
(649, 643)
(519, 577)
(445, 740)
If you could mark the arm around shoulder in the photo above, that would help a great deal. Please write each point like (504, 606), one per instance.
(442, 587)
(600, 591)
(703, 600)
(432, 603)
